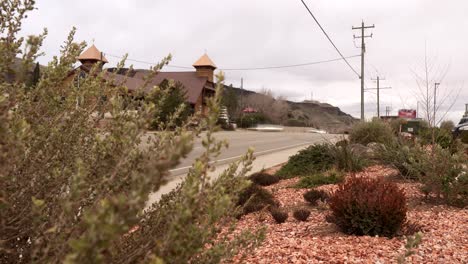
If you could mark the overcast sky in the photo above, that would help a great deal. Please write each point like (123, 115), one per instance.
(261, 33)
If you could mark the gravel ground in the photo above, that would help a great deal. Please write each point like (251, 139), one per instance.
(444, 228)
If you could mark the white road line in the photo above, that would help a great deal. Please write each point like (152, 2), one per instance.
(255, 153)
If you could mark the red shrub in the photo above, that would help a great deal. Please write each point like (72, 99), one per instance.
(363, 206)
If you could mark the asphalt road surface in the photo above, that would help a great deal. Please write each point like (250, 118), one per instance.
(262, 142)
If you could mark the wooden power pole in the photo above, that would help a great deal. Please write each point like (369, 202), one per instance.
(363, 50)
(378, 79)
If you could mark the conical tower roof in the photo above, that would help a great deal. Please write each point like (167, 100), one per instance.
(204, 61)
(92, 53)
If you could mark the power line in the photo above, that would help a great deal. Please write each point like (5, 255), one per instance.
(378, 93)
(286, 66)
(242, 69)
(329, 39)
(146, 62)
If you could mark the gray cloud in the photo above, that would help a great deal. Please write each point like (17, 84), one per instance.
(269, 33)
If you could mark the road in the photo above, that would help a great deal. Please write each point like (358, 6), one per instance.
(262, 142)
(271, 148)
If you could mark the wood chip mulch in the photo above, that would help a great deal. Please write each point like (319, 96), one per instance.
(444, 228)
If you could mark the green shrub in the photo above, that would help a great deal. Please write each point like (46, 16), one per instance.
(346, 159)
(301, 214)
(447, 125)
(313, 196)
(320, 178)
(464, 137)
(264, 179)
(173, 103)
(254, 198)
(364, 206)
(446, 176)
(279, 215)
(252, 119)
(442, 137)
(375, 131)
(313, 159)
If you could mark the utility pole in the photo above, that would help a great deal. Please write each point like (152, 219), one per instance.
(417, 109)
(378, 93)
(435, 95)
(363, 50)
(242, 94)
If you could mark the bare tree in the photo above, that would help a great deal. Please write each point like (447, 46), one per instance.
(435, 97)
(275, 109)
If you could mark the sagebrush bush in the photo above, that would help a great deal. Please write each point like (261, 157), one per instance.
(366, 206)
(254, 198)
(264, 179)
(375, 131)
(313, 159)
(72, 191)
(331, 176)
(279, 215)
(313, 196)
(301, 214)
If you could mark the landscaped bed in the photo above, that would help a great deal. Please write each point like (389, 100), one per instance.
(444, 230)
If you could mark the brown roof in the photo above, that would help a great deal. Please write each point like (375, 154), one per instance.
(192, 83)
(132, 84)
(92, 53)
(204, 61)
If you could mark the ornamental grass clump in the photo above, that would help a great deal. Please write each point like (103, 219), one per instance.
(279, 215)
(254, 198)
(313, 196)
(347, 159)
(264, 179)
(366, 206)
(331, 176)
(301, 214)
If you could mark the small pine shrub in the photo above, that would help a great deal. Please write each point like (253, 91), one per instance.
(313, 196)
(313, 159)
(364, 206)
(331, 176)
(301, 214)
(264, 179)
(375, 131)
(254, 198)
(279, 215)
